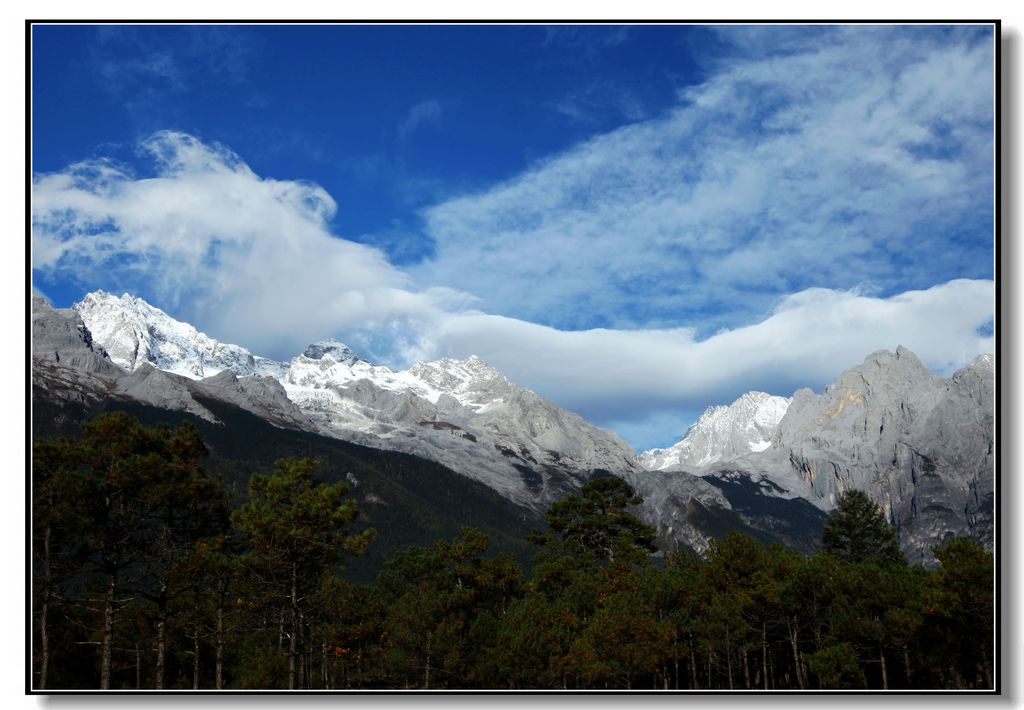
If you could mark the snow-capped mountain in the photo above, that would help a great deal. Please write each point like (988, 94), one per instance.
(921, 446)
(462, 413)
(134, 332)
(723, 433)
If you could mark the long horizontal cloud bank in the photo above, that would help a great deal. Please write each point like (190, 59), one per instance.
(613, 375)
(850, 156)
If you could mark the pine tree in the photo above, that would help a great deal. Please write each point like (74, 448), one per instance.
(297, 528)
(857, 531)
(598, 524)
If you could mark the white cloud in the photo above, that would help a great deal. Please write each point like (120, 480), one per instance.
(250, 259)
(866, 155)
(811, 337)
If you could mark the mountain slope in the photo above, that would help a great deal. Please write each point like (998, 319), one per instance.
(723, 433)
(408, 500)
(461, 413)
(134, 333)
(919, 445)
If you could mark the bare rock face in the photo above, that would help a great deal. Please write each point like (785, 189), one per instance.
(162, 389)
(260, 394)
(919, 445)
(850, 436)
(66, 363)
(62, 338)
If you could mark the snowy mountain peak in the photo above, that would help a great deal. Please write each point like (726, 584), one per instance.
(469, 380)
(332, 349)
(984, 361)
(724, 433)
(135, 333)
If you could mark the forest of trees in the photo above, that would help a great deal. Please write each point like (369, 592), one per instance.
(145, 577)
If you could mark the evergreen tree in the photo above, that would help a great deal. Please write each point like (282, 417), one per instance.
(857, 531)
(598, 525)
(960, 615)
(297, 528)
(127, 488)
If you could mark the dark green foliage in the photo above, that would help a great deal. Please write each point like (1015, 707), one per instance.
(134, 552)
(959, 615)
(857, 531)
(597, 524)
(837, 667)
(408, 500)
(127, 504)
(297, 530)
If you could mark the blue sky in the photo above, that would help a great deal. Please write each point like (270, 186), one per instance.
(635, 221)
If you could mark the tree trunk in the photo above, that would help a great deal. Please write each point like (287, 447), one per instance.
(793, 631)
(728, 657)
(138, 667)
(108, 632)
(764, 653)
(426, 670)
(693, 664)
(292, 637)
(219, 662)
(195, 653)
(906, 665)
(302, 679)
(44, 630)
(161, 640)
(885, 673)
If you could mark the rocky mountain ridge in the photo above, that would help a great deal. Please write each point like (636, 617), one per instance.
(461, 413)
(919, 444)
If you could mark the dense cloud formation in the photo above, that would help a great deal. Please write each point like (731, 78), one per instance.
(249, 258)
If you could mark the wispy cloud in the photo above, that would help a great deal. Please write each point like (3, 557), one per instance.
(600, 101)
(425, 113)
(864, 157)
(145, 66)
(583, 42)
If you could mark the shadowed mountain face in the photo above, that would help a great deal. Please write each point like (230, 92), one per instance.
(920, 445)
